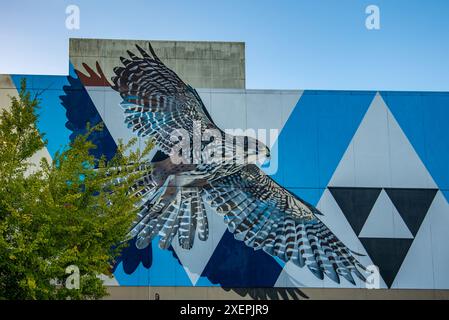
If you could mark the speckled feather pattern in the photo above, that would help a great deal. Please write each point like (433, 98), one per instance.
(255, 208)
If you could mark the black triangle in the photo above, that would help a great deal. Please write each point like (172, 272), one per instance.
(412, 205)
(355, 203)
(387, 254)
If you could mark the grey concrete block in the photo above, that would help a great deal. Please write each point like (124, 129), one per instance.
(201, 64)
(227, 50)
(193, 50)
(84, 47)
(227, 68)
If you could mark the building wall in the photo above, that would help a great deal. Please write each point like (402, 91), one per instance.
(362, 159)
(375, 163)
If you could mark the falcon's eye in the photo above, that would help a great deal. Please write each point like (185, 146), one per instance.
(267, 152)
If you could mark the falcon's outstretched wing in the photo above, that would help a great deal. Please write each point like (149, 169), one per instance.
(156, 101)
(266, 216)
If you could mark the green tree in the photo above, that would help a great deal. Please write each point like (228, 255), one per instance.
(74, 210)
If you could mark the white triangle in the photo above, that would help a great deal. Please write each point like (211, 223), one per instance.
(384, 221)
(427, 262)
(195, 260)
(380, 155)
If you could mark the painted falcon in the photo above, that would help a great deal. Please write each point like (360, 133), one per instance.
(157, 104)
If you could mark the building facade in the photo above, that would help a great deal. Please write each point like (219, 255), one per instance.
(375, 163)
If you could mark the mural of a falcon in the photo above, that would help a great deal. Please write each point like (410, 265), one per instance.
(157, 104)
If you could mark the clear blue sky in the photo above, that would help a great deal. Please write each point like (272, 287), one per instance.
(297, 44)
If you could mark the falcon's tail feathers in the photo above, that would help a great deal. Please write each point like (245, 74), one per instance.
(187, 215)
(179, 214)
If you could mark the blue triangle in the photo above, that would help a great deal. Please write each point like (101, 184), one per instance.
(52, 115)
(315, 138)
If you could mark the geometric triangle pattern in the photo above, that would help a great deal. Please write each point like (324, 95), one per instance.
(412, 205)
(355, 203)
(383, 189)
(387, 254)
(387, 251)
(384, 221)
(380, 155)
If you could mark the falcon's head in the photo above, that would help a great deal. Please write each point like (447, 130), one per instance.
(253, 150)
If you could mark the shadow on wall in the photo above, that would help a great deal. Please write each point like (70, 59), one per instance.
(270, 293)
(131, 257)
(243, 273)
(75, 98)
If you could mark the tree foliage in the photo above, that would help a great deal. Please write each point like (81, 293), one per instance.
(74, 210)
